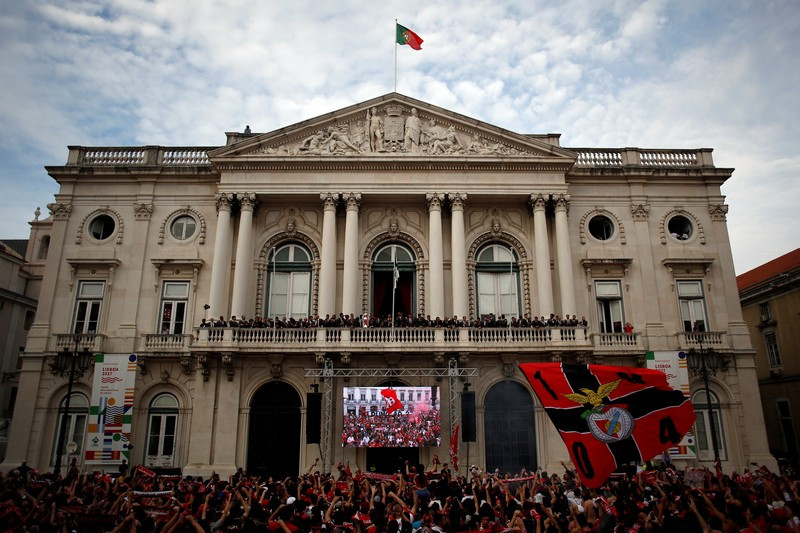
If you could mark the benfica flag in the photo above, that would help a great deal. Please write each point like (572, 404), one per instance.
(392, 403)
(406, 36)
(610, 415)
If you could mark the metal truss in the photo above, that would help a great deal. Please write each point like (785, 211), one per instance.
(327, 374)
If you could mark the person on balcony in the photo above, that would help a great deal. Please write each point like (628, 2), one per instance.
(628, 329)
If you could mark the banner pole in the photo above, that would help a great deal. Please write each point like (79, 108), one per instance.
(395, 55)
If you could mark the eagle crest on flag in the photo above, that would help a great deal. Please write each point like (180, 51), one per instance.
(608, 423)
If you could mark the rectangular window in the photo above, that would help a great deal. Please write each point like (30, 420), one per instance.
(87, 306)
(692, 305)
(289, 294)
(773, 353)
(497, 294)
(787, 426)
(174, 302)
(764, 312)
(610, 315)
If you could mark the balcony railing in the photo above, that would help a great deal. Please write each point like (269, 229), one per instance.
(692, 339)
(616, 341)
(93, 341)
(422, 338)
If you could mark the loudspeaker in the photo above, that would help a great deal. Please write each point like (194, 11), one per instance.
(313, 417)
(468, 416)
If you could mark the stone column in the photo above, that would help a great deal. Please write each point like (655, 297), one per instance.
(459, 254)
(544, 283)
(436, 264)
(244, 255)
(327, 270)
(350, 289)
(566, 277)
(221, 260)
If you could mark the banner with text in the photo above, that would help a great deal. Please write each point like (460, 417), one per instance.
(111, 410)
(675, 366)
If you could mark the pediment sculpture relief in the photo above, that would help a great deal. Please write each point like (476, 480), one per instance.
(391, 130)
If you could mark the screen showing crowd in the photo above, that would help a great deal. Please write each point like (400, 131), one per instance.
(391, 417)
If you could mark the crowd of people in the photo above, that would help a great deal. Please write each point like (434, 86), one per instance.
(437, 501)
(383, 430)
(400, 320)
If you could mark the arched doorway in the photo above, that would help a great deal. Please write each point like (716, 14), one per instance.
(273, 444)
(509, 430)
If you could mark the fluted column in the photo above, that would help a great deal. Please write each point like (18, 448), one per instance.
(544, 283)
(244, 255)
(459, 254)
(566, 278)
(436, 264)
(327, 269)
(221, 260)
(350, 289)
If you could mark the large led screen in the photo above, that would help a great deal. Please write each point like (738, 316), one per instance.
(391, 417)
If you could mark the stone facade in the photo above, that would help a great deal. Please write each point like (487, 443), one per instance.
(310, 218)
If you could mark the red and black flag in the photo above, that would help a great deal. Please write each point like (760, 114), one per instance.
(392, 403)
(610, 415)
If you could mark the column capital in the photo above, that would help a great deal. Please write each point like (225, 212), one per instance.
(59, 210)
(224, 201)
(247, 200)
(329, 200)
(434, 201)
(352, 200)
(562, 202)
(718, 211)
(457, 200)
(539, 201)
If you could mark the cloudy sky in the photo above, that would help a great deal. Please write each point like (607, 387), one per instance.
(723, 74)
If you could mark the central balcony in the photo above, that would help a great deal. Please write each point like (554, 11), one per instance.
(405, 340)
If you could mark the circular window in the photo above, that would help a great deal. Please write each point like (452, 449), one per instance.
(183, 227)
(601, 228)
(102, 227)
(680, 227)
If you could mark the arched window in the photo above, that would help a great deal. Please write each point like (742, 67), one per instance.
(162, 427)
(289, 282)
(705, 446)
(393, 281)
(75, 430)
(44, 247)
(497, 273)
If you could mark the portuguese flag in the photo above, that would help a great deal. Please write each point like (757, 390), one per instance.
(406, 36)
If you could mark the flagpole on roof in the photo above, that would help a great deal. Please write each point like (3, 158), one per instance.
(395, 54)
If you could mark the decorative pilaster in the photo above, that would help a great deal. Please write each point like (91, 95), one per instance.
(327, 285)
(436, 266)
(566, 278)
(350, 291)
(544, 282)
(718, 212)
(244, 254)
(458, 253)
(220, 262)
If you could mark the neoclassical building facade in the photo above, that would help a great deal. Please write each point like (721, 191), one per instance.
(390, 204)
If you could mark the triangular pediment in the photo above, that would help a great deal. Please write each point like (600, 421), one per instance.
(393, 126)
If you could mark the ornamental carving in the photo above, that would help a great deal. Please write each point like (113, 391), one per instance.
(718, 211)
(640, 211)
(508, 240)
(60, 210)
(201, 238)
(599, 211)
(142, 211)
(223, 201)
(393, 129)
(262, 266)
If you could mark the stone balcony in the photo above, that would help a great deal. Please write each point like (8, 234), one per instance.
(388, 340)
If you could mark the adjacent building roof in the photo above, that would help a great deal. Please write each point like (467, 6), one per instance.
(783, 264)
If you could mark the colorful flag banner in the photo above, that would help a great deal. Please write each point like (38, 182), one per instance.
(675, 366)
(406, 36)
(610, 415)
(111, 411)
(392, 402)
(454, 449)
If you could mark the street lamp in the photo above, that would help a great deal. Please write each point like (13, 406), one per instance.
(704, 363)
(71, 365)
